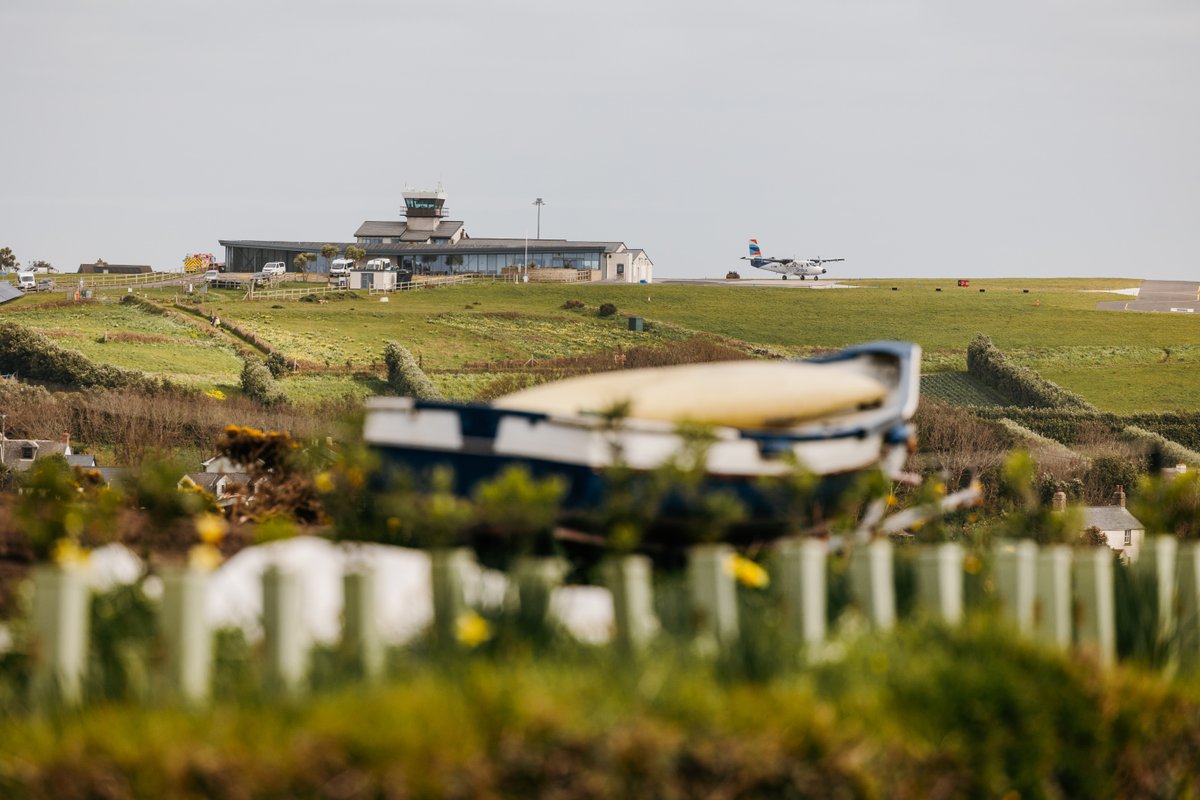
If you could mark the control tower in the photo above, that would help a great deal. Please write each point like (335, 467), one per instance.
(424, 210)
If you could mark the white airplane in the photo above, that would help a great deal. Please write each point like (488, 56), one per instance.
(788, 266)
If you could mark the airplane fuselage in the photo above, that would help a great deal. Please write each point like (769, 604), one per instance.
(801, 269)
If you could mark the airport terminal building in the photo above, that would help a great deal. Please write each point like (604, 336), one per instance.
(424, 242)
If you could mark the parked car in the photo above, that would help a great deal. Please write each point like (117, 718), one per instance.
(274, 268)
(45, 285)
(212, 275)
(260, 278)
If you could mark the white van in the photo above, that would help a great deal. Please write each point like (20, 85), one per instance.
(27, 280)
(274, 268)
(379, 264)
(340, 267)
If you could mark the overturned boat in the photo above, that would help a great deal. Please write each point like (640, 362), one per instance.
(836, 415)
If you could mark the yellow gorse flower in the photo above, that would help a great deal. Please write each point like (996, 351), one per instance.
(215, 394)
(324, 482)
(472, 630)
(205, 557)
(68, 553)
(211, 527)
(748, 573)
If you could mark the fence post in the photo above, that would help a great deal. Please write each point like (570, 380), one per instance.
(940, 580)
(537, 578)
(1160, 556)
(1187, 606)
(802, 564)
(1093, 572)
(629, 580)
(1016, 573)
(447, 569)
(60, 629)
(1053, 613)
(360, 629)
(872, 581)
(185, 631)
(283, 629)
(713, 593)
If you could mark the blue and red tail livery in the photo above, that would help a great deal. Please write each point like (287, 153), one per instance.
(755, 251)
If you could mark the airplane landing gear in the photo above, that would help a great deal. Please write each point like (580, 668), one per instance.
(785, 277)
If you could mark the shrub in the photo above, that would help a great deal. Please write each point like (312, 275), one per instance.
(405, 376)
(987, 363)
(607, 309)
(258, 383)
(570, 304)
(277, 364)
(1169, 452)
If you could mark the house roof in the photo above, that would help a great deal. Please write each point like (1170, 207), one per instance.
(115, 269)
(463, 245)
(1110, 518)
(398, 229)
(9, 292)
(12, 449)
(81, 460)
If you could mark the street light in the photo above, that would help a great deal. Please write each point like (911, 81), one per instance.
(539, 203)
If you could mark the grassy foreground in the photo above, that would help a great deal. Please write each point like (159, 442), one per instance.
(923, 713)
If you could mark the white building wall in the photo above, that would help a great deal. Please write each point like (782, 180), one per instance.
(1116, 540)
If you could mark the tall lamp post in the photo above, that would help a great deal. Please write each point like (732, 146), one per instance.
(539, 203)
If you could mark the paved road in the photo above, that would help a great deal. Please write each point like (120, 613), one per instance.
(774, 283)
(1179, 297)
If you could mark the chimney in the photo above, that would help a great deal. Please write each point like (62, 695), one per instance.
(1118, 497)
(1059, 503)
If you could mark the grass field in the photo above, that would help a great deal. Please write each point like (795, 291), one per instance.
(1118, 360)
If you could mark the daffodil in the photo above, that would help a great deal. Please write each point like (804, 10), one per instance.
(211, 527)
(472, 630)
(748, 573)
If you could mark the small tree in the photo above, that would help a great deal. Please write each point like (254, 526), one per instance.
(329, 251)
(42, 265)
(300, 262)
(8, 261)
(355, 253)
(258, 383)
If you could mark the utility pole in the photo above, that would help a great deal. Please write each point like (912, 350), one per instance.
(539, 203)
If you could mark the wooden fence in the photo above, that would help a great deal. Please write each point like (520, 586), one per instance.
(1060, 596)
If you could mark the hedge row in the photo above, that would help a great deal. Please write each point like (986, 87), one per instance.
(31, 355)
(1030, 439)
(405, 376)
(1024, 386)
(1064, 424)
(1172, 452)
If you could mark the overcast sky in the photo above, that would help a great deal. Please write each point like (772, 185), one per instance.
(912, 137)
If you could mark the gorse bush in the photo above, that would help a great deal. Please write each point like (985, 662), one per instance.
(987, 363)
(258, 383)
(607, 309)
(405, 376)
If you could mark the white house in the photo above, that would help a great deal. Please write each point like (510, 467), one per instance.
(1123, 532)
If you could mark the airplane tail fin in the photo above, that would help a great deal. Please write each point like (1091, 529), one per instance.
(755, 250)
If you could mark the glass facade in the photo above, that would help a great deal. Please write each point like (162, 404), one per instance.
(240, 258)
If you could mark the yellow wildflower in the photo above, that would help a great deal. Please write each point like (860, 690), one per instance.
(73, 523)
(324, 482)
(972, 564)
(939, 488)
(356, 477)
(892, 500)
(68, 553)
(211, 527)
(205, 557)
(748, 573)
(215, 394)
(472, 630)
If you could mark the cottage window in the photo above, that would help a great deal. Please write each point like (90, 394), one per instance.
(27, 452)
(1128, 538)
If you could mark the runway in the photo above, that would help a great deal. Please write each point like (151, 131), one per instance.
(1172, 297)
(773, 283)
